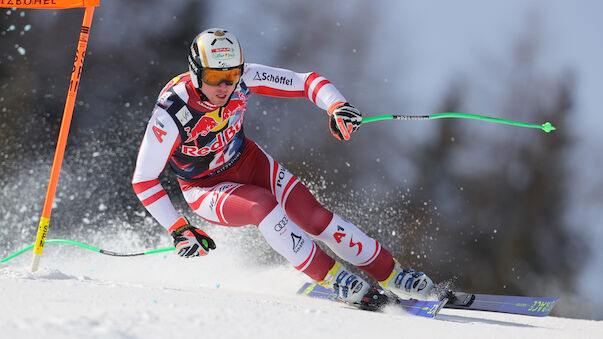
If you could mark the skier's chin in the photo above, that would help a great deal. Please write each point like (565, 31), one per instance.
(220, 100)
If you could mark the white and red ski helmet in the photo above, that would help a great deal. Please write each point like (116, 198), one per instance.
(214, 48)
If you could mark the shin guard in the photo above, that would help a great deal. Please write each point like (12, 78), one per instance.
(349, 242)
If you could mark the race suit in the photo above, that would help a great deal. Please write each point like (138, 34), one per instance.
(229, 180)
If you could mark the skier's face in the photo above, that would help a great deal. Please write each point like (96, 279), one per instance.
(218, 95)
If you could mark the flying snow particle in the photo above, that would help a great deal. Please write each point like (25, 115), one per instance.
(27, 28)
(21, 50)
(11, 28)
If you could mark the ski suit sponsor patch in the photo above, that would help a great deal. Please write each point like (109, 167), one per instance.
(277, 79)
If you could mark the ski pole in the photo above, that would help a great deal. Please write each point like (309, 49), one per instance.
(547, 127)
(88, 247)
(62, 140)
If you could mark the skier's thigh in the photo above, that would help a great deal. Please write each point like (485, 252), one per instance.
(231, 204)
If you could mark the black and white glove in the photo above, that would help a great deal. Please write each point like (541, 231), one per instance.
(344, 120)
(191, 241)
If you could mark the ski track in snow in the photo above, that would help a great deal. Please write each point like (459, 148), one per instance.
(88, 295)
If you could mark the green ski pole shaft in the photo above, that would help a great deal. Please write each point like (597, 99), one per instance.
(88, 247)
(547, 127)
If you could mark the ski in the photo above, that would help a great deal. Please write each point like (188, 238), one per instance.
(428, 309)
(533, 306)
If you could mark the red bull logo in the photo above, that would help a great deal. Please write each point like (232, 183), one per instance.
(207, 122)
(218, 144)
(202, 127)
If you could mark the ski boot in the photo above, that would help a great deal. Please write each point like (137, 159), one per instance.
(353, 290)
(408, 284)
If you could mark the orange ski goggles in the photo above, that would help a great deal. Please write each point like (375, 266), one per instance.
(214, 77)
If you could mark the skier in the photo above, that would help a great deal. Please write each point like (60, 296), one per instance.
(227, 179)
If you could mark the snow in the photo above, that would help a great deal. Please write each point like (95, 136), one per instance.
(83, 294)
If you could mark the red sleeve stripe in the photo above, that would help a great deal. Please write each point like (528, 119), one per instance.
(306, 263)
(142, 186)
(146, 202)
(317, 89)
(309, 82)
(265, 90)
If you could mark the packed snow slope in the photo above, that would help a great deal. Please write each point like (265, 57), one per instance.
(83, 294)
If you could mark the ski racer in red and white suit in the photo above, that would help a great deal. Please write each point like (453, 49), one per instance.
(229, 180)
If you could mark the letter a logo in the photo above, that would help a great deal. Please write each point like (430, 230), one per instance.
(159, 133)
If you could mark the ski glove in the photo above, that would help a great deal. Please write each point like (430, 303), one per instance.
(191, 241)
(344, 120)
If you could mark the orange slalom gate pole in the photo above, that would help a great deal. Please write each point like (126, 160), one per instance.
(62, 140)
